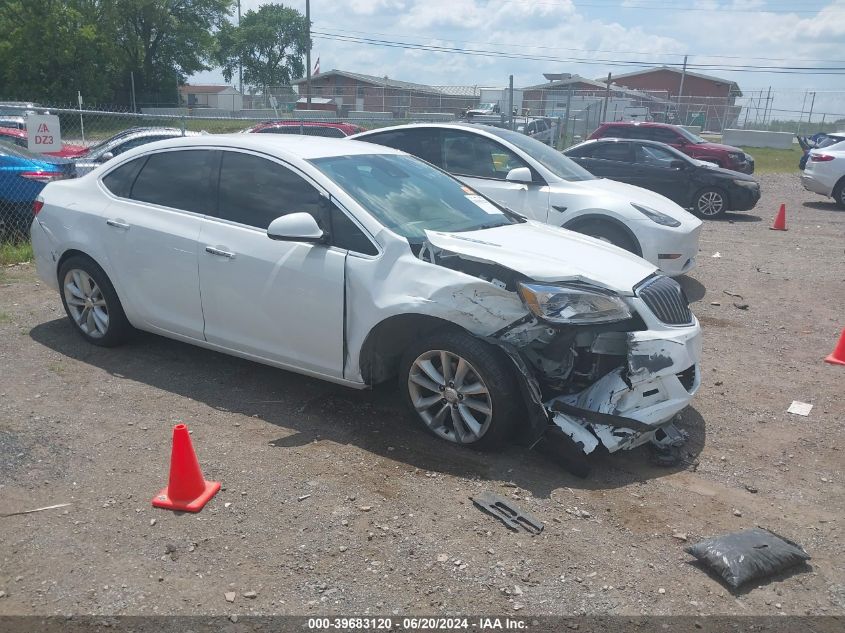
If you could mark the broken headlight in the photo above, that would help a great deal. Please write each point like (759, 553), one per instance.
(573, 304)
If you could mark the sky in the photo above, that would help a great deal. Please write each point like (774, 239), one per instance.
(585, 37)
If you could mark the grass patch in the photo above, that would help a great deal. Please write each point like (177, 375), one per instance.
(774, 161)
(5, 318)
(15, 253)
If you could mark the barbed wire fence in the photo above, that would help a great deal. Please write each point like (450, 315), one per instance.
(554, 115)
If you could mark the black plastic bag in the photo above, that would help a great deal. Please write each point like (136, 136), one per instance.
(748, 555)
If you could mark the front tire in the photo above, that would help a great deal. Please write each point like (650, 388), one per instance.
(460, 388)
(710, 203)
(609, 233)
(91, 302)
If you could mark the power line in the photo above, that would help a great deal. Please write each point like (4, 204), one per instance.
(673, 9)
(591, 50)
(787, 70)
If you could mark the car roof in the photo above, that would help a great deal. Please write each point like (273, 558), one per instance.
(12, 131)
(283, 146)
(480, 127)
(638, 124)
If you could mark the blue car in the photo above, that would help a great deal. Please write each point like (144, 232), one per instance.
(23, 175)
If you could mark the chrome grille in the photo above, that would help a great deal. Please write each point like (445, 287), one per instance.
(667, 300)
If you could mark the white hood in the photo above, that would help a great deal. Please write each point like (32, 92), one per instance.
(630, 193)
(549, 254)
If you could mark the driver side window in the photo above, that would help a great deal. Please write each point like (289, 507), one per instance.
(472, 155)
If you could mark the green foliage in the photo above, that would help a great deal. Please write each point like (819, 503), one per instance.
(50, 49)
(271, 42)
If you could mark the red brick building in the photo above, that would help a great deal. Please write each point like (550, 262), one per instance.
(358, 92)
(711, 100)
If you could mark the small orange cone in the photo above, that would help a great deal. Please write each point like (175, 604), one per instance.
(187, 490)
(837, 356)
(780, 219)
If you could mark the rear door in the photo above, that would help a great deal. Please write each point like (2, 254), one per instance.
(150, 231)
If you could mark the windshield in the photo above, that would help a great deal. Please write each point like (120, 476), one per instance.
(560, 165)
(695, 138)
(409, 196)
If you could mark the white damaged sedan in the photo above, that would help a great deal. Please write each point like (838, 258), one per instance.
(359, 264)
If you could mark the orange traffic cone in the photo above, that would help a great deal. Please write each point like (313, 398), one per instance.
(186, 490)
(837, 356)
(780, 219)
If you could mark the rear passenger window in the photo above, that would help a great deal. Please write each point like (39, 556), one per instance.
(255, 191)
(180, 180)
(119, 181)
(423, 143)
(619, 152)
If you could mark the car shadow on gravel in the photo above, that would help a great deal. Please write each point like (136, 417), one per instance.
(731, 216)
(315, 410)
(823, 206)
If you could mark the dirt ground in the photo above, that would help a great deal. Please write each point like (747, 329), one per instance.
(333, 502)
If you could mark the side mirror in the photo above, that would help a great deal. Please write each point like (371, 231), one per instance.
(678, 164)
(106, 157)
(681, 141)
(296, 227)
(520, 174)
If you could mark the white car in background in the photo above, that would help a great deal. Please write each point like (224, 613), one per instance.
(539, 182)
(359, 264)
(824, 172)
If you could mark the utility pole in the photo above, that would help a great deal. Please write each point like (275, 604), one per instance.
(132, 85)
(681, 90)
(308, 56)
(241, 58)
(606, 97)
(510, 102)
(812, 103)
(766, 111)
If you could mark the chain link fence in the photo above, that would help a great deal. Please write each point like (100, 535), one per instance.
(558, 116)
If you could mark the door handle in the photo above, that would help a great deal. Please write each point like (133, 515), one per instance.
(220, 253)
(117, 224)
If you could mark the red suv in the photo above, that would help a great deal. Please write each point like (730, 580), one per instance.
(312, 128)
(683, 140)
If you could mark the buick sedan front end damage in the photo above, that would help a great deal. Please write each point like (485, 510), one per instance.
(603, 366)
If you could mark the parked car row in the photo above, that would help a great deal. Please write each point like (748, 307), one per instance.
(358, 263)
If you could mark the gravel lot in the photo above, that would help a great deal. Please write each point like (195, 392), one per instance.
(334, 502)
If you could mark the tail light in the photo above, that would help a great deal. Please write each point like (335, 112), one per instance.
(43, 176)
(821, 158)
(37, 205)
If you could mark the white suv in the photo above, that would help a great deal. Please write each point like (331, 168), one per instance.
(825, 172)
(541, 183)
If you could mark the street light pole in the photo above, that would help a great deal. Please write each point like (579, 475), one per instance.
(308, 56)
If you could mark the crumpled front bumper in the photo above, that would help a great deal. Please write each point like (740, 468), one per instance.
(660, 379)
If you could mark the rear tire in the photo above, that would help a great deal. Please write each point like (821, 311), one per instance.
(473, 402)
(839, 193)
(91, 302)
(710, 203)
(607, 232)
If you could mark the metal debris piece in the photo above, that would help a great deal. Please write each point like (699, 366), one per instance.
(58, 505)
(733, 294)
(716, 255)
(800, 408)
(507, 512)
(740, 306)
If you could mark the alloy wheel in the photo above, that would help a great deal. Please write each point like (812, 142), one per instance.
(86, 303)
(450, 396)
(711, 203)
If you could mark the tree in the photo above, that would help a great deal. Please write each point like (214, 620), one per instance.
(53, 48)
(164, 41)
(271, 42)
